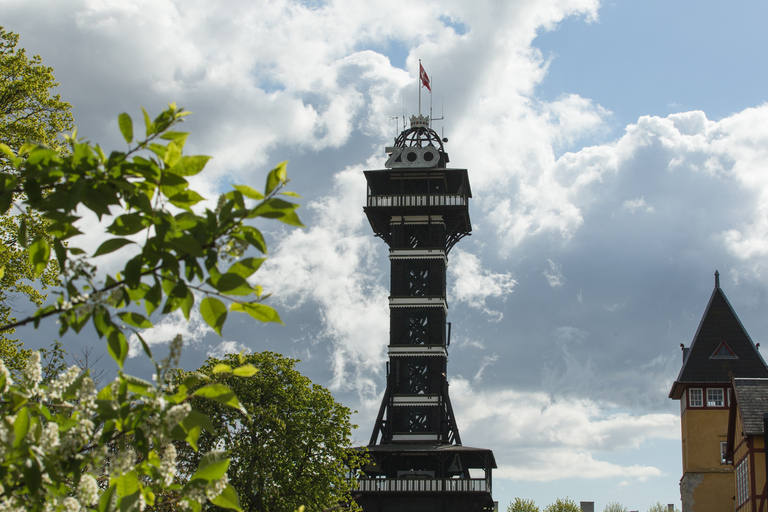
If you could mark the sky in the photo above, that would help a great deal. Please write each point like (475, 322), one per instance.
(618, 154)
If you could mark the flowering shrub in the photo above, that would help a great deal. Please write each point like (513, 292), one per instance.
(64, 446)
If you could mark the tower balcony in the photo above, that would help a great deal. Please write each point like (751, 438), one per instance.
(425, 485)
(404, 200)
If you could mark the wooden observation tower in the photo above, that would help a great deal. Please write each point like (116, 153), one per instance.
(420, 208)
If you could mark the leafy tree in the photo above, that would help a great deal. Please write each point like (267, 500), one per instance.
(521, 505)
(54, 437)
(28, 112)
(658, 507)
(291, 446)
(563, 505)
(615, 506)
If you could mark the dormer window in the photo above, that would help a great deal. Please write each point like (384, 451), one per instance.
(723, 352)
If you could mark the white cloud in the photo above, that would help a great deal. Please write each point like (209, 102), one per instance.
(192, 331)
(556, 437)
(554, 275)
(473, 285)
(638, 203)
(332, 264)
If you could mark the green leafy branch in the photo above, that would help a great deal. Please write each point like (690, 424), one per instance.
(181, 251)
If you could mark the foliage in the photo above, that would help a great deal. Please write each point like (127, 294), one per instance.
(659, 507)
(64, 446)
(521, 505)
(615, 506)
(290, 447)
(28, 112)
(563, 505)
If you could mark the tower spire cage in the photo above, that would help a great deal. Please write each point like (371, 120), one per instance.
(420, 208)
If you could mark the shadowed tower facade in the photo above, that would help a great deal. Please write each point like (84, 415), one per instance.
(420, 208)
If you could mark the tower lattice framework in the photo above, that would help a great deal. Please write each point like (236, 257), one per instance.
(420, 208)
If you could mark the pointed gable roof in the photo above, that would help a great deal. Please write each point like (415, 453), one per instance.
(721, 347)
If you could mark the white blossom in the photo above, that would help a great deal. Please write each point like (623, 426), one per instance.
(216, 487)
(88, 490)
(71, 504)
(5, 373)
(50, 436)
(168, 465)
(33, 372)
(177, 414)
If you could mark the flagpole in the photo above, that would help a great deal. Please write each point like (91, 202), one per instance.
(419, 82)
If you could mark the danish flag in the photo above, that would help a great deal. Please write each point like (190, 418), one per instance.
(424, 77)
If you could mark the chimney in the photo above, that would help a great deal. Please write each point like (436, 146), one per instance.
(587, 506)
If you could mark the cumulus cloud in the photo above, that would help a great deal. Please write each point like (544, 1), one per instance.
(557, 437)
(332, 264)
(474, 285)
(192, 331)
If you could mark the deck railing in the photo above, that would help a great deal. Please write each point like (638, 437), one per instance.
(417, 200)
(424, 485)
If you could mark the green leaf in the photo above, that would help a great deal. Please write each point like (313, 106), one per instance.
(107, 501)
(249, 192)
(39, 254)
(135, 319)
(214, 313)
(117, 346)
(228, 499)
(128, 224)
(222, 368)
(254, 237)
(111, 245)
(213, 466)
(172, 154)
(185, 199)
(245, 268)
(260, 312)
(23, 237)
(279, 209)
(222, 394)
(153, 298)
(130, 503)
(246, 370)
(276, 177)
(186, 244)
(230, 284)
(126, 126)
(190, 165)
(172, 184)
(20, 427)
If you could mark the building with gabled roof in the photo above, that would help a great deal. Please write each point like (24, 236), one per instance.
(721, 348)
(745, 449)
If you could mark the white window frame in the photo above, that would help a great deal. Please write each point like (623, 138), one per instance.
(698, 400)
(742, 482)
(723, 452)
(715, 397)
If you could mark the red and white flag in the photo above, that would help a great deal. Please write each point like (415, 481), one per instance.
(424, 77)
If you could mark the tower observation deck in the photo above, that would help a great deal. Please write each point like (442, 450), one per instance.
(420, 208)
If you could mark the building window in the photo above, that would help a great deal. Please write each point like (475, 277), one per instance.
(714, 397)
(723, 452)
(695, 397)
(742, 482)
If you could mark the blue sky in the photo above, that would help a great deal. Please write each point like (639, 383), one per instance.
(617, 153)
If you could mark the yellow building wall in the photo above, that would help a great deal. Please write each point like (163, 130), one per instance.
(707, 484)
